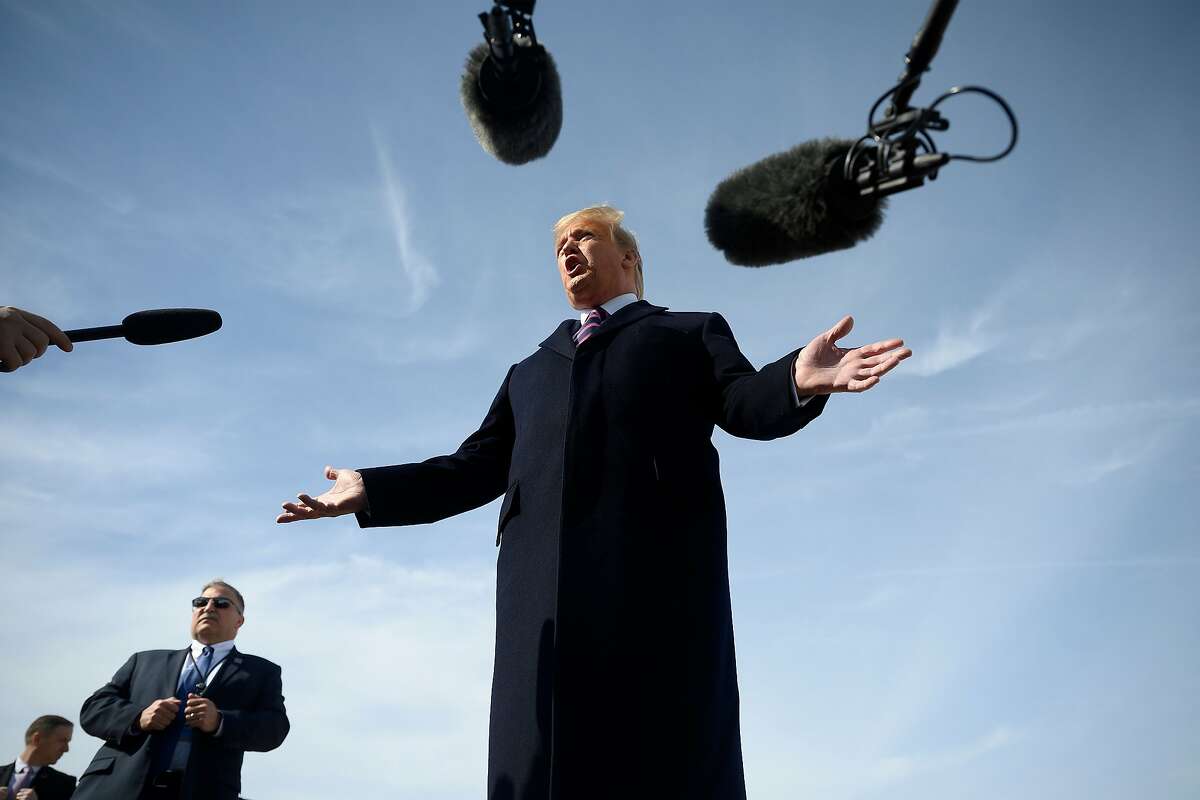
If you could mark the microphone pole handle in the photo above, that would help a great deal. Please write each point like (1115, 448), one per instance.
(92, 334)
(924, 47)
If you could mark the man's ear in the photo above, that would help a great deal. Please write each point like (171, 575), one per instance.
(629, 260)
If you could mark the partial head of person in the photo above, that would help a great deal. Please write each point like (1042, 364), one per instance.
(46, 740)
(598, 258)
(217, 613)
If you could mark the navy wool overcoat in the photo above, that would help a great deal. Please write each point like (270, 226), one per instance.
(614, 673)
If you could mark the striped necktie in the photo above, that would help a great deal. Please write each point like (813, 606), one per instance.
(21, 780)
(590, 325)
(165, 742)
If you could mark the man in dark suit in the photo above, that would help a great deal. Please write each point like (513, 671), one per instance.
(31, 777)
(614, 672)
(176, 723)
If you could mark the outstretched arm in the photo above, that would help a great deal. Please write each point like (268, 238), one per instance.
(761, 404)
(408, 494)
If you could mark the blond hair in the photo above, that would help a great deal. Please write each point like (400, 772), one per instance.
(623, 237)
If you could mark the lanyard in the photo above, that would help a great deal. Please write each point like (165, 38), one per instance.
(202, 684)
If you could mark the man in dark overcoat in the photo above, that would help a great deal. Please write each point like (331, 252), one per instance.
(176, 723)
(614, 672)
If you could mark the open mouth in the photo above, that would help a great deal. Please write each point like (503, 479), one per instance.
(574, 265)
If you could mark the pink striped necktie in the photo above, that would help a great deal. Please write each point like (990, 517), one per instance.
(590, 325)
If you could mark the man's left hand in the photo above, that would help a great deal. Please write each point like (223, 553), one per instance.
(823, 368)
(201, 714)
(26, 794)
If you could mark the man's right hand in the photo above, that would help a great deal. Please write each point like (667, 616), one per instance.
(159, 714)
(347, 496)
(24, 336)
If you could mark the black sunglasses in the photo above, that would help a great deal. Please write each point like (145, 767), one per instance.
(219, 602)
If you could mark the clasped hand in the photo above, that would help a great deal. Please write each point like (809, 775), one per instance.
(199, 713)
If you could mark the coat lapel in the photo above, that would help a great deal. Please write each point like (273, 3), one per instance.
(170, 679)
(229, 667)
(561, 342)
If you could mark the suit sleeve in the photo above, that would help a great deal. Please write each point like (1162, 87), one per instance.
(109, 714)
(475, 474)
(262, 727)
(750, 403)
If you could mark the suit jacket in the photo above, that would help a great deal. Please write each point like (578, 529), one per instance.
(49, 783)
(248, 692)
(614, 672)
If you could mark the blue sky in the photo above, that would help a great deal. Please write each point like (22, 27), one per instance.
(978, 579)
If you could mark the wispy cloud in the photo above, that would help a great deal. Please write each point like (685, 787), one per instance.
(955, 345)
(898, 768)
(421, 274)
(65, 175)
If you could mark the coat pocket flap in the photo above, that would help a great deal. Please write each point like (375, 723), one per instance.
(101, 766)
(509, 508)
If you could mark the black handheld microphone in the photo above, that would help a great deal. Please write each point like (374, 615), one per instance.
(828, 194)
(156, 326)
(510, 87)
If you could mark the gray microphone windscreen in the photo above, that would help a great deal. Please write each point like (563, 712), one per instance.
(515, 121)
(790, 205)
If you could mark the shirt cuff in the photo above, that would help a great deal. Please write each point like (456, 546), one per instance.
(797, 400)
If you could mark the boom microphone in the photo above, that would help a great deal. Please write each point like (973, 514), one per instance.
(828, 194)
(156, 326)
(790, 205)
(510, 87)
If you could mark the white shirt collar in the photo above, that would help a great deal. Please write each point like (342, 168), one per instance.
(612, 306)
(220, 649)
(19, 765)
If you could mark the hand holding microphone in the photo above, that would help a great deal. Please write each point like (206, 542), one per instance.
(25, 336)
